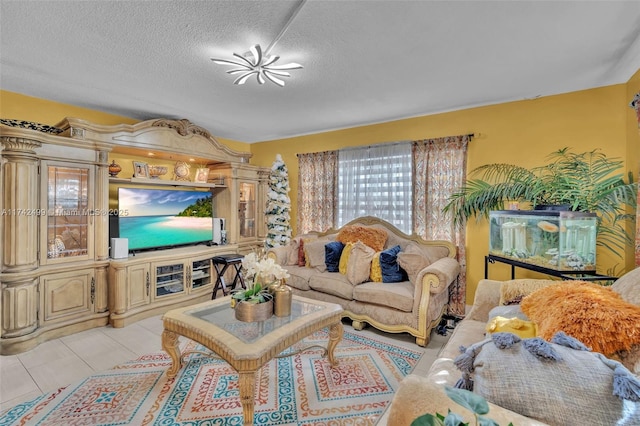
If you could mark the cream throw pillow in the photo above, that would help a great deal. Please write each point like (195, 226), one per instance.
(292, 258)
(314, 254)
(628, 286)
(413, 260)
(512, 292)
(359, 263)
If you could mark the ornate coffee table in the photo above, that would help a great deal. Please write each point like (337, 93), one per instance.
(247, 346)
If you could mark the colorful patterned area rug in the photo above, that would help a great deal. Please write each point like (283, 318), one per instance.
(302, 389)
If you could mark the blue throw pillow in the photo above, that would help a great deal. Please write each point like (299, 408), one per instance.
(391, 271)
(332, 253)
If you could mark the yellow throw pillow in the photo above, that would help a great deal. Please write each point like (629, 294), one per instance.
(376, 269)
(344, 258)
(522, 328)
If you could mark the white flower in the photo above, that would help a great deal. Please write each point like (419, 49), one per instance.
(264, 267)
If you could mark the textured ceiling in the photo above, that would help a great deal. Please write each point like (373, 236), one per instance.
(364, 61)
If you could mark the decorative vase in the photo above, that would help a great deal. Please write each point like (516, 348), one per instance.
(156, 171)
(249, 312)
(271, 288)
(114, 168)
(282, 296)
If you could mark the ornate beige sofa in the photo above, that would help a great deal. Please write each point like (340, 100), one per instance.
(419, 394)
(414, 306)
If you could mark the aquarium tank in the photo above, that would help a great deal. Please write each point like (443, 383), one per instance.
(559, 240)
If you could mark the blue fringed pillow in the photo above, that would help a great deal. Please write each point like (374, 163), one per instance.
(332, 253)
(554, 382)
(391, 270)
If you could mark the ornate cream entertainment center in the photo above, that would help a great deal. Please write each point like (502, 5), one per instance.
(57, 196)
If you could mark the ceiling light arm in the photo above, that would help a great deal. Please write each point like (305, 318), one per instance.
(259, 63)
(285, 28)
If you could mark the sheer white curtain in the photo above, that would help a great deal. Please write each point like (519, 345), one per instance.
(376, 181)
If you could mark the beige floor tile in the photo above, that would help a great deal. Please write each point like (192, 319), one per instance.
(5, 405)
(60, 372)
(45, 353)
(154, 324)
(98, 350)
(15, 381)
(135, 338)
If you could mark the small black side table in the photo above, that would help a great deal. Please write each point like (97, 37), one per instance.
(221, 263)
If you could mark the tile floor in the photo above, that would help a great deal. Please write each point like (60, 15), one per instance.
(65, 360)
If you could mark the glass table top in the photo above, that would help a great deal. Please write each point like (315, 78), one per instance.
(223, 316)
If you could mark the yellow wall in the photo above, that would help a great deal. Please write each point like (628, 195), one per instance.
(22, 107)
(522, 132)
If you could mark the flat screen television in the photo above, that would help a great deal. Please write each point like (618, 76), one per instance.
(163, 218)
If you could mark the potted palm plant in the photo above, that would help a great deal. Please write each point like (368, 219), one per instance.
(587, 182)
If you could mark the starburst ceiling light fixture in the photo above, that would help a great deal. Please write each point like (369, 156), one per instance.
(262, 64)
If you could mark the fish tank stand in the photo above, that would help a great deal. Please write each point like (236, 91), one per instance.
(565, 275)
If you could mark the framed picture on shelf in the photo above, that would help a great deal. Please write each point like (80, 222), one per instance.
(140, 169)
(202, 174)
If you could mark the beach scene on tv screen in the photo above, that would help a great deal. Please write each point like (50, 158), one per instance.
(159, 217)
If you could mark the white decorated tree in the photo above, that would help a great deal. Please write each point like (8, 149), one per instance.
(278, 206)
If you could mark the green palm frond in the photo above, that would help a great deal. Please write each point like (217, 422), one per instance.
(587, 181)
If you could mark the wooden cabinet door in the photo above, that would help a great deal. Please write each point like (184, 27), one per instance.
(139, 285)
(67, 214)
(67, 294)
(200, 274)
(247, 210)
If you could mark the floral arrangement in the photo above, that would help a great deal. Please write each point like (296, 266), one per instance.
(259, 271)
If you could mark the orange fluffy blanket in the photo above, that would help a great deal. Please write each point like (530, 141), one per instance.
(595, 315)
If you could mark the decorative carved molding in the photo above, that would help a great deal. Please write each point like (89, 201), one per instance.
(31, 125)
(77, 133)
(183, 127)
(103, 156)
(13, 143)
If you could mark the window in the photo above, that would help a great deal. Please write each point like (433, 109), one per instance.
(376, 181)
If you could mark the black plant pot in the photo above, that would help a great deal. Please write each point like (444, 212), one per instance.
(554, 207)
